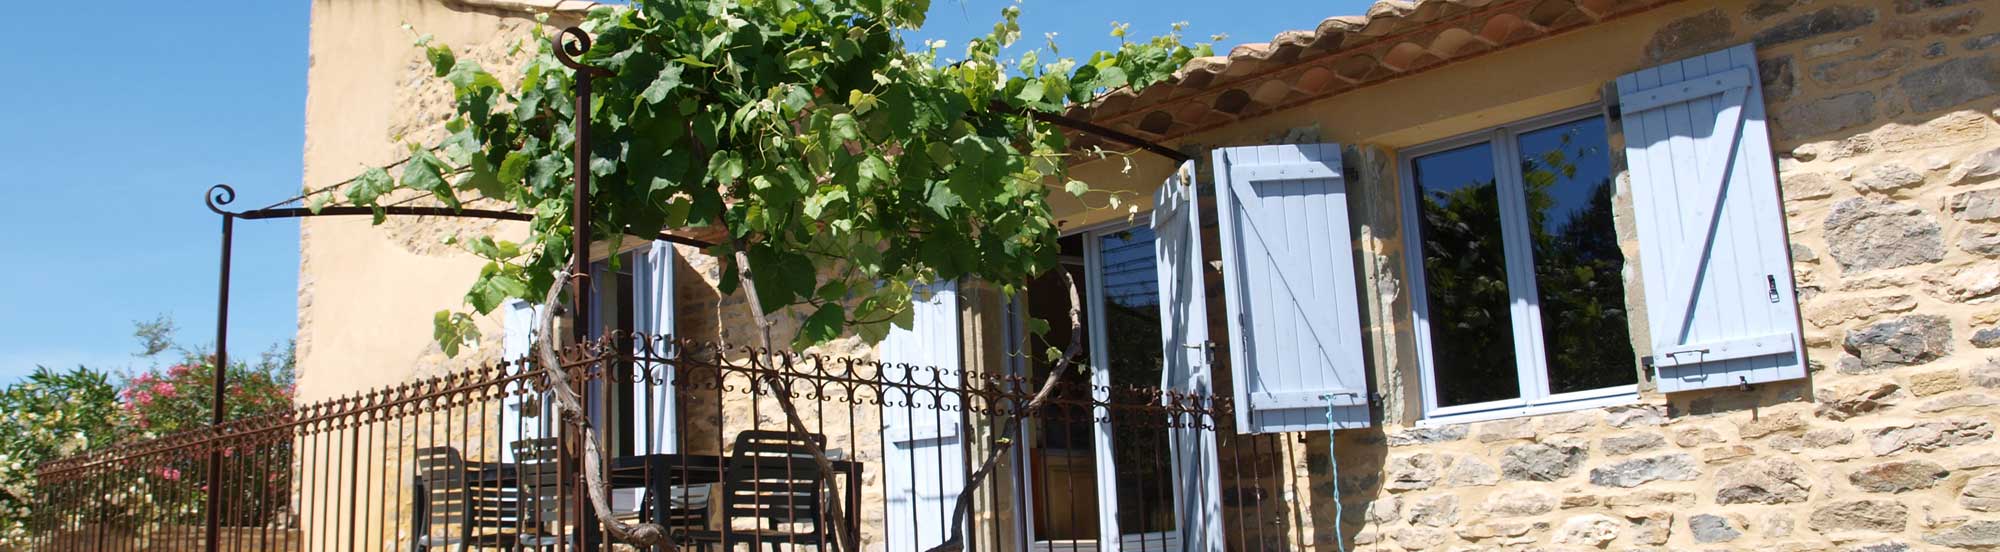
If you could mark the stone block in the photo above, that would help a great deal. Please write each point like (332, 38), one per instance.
(1548, 461)
(1982, 42)
(1947, 403)
(1828, 437)
(1829, 20)
(1505, 430)
(1472, 472)
(1870, 234)
(1983, 533)
(1981, 494)
(1385, 509)
(1424, 436)
(1826, 115)
(1986, 375)
(1696, 436)
(1928, 436)
(1876, 515)
(1519, 503)
(1787, 423)
(1979, 205)
(1840, 402)
(1804, 185)
(1769, 480)
(1986, 338)
(1620, 445)
(1725, 453)
(1652, 528)
(1963, 282)
(1693, 35)
(1639, 415)
(1888, 178)
(1415, 472)
(1649, 498)
(1924, 384)
(1914, 6)
(1434, 511)
(1863, 68)
(1957, 23)
(1906, 341)
(1633, 473)
(1832, 312)
(1568, 422)
(1710, 528)
(1418, 538)
(1509, 532)
(1951, 83)
(1896, 477)
(1980, 241)
(1777, 76)
(1592, 530)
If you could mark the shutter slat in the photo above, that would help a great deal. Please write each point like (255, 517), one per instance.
(1713, 249)
(1290, 288)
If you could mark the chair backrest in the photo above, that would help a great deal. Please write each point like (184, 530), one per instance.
(441, 471)
(539, 471)
(772, 476)
(455, 502)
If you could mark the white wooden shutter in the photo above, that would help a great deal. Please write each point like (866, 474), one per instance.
(1288, 273)
(1184, 336)
(518, 321)
(653, 404)
(1712, 243)
(924, 468)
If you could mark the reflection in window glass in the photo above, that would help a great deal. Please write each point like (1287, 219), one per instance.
(1566, 176)
(1465, 277)
(1130, 280)
(1062, 462)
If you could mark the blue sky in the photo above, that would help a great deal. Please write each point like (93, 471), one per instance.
(119, 114)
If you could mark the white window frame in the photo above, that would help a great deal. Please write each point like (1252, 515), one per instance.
(1531, 362)
(1100, 382)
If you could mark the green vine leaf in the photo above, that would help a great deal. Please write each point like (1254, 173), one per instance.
(842, 158)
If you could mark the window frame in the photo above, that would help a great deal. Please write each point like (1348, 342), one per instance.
(1524, 305)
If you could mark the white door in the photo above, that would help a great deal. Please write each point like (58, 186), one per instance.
(924, 465)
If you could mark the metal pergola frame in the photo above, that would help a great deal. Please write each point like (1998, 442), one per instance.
(578, 42)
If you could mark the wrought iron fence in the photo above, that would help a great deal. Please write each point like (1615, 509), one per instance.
(696, 439)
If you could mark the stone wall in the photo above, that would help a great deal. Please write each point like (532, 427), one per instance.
(1884, 117)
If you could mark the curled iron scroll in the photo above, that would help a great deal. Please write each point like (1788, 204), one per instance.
(572, 43)
(218, 196)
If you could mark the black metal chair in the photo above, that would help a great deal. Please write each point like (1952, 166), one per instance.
(771, 478)
(456, 511)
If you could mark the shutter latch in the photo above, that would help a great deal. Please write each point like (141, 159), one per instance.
(1772, 281)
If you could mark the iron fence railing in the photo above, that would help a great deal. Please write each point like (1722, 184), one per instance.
(695, 439)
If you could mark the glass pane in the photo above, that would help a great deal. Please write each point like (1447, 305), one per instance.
(1465, 276)
(1132, 332)
(1062, 461)
(1566, 174)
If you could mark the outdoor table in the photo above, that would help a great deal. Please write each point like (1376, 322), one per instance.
(660, 473)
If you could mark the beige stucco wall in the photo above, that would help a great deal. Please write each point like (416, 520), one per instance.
(1882, 109)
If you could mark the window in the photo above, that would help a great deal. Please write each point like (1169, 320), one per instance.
(1519, 287)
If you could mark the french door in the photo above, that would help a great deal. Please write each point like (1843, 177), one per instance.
(1096, 479)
